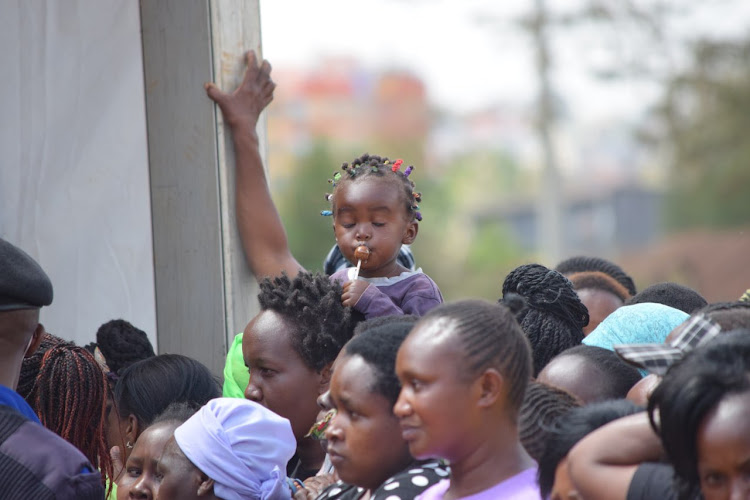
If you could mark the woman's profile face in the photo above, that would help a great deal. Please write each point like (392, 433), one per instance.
(139, 478)
(364, 438)
(723, 445)
(434, 407)
(279, 378)
(180, 479)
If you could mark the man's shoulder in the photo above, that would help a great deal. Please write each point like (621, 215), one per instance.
(37, 463)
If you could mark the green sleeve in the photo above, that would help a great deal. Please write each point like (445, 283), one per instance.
(236, 374)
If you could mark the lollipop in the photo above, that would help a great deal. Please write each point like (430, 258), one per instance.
(361, 253)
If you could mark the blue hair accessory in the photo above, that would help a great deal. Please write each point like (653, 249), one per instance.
(326, 213)
(408, 170)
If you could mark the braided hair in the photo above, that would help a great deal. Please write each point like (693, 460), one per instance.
(554, 316)
(542, 406)
(122, 344)
(379, 167)
(30, 366)
(311, 304)
(581, 264)
(490, 338)
(571, 428)
(70, 398)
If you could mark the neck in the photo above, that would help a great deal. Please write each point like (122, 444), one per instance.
(10, 364)
(310, 453)
(494, 460)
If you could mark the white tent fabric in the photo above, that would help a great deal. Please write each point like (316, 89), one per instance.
(74, 189)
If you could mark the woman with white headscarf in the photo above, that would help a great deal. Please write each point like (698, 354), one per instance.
(232, 449)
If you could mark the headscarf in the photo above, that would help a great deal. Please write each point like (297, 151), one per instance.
(241, 445)
(647, 323)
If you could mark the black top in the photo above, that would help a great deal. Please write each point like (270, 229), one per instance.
(405, 485)
(653, 481)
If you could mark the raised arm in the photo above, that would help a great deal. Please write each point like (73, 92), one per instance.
(261, 231)
(602, 464)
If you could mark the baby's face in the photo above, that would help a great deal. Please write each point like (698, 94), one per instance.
(372, 212)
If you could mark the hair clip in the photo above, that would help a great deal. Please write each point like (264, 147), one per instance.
(328, 197)
(415, 207)
(397, 164)
(345, 166)
(408, 170)
(336, 176)
(418, 216)
(326, 213)
(417, 197)
(374, 168)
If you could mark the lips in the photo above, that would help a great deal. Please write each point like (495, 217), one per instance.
(334, 456)
(409, 432)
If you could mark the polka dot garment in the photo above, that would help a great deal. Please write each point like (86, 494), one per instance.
(405, 485)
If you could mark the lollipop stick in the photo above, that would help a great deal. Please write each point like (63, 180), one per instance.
(356, 272)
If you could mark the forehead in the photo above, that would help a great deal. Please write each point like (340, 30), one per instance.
(352, 377)
(152, 441)
(267, 336)
(370, 192)
(430, 347)
(726, 429)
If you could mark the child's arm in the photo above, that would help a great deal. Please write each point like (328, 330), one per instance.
(371, 301)
(261, 231)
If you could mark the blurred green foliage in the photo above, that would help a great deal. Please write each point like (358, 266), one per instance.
(706, 116)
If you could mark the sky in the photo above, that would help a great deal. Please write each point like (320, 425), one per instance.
(472, 53)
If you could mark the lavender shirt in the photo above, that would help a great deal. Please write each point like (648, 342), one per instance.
(409, 293)
(522, 486)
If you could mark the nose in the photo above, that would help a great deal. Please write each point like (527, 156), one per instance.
(140, 490)
(739, 490)
(364, 232)
(334, 432)
(253, 392)
(402, 408)
(324, 401)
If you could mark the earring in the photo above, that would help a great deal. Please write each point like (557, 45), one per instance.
(128, 445)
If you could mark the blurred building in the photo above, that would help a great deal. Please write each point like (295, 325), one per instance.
(349, 108)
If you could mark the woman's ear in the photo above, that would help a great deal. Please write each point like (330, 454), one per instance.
(491, 387)
(206, 487)
(132, 429)
(325, 378)
(35, 340)
(410, 234)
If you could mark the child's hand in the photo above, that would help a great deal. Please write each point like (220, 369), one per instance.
(353, 290)
(242, 107)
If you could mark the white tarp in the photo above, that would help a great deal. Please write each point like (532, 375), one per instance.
(73, 158)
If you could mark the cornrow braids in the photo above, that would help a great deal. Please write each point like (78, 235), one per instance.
(30, 366)
(582, 263)
(569, 429)
(382, 167)
(311, 304)
(70, 397)
(542, 406)
(490, 338)
(554, 317)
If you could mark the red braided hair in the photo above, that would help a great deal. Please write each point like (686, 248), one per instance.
(70, 397)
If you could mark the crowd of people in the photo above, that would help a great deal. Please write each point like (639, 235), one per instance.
(362, 383)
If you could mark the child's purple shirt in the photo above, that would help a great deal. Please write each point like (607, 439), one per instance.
(409, 293)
